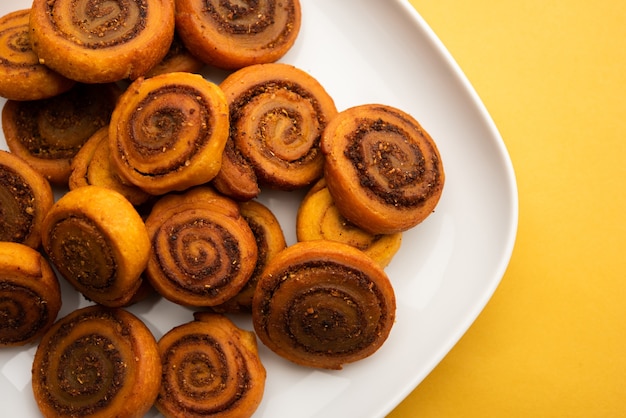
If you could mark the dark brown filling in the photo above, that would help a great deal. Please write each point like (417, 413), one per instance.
(17, 206)
(23, 312)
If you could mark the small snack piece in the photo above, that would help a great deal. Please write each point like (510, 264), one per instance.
(22, 77)
(277, 115)
(91, 166)
(48, 133)
(25, 198)
(318, 218)
(270, 240)
(97, 362)
(203, 251)
(323, 304)
(168, 132)
(233, 35)
(96, 42)
(98, 242)
(211, 368)
(177, 60)
(382, 168)
(30, 296)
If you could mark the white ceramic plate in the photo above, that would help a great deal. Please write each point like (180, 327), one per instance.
(366, 51)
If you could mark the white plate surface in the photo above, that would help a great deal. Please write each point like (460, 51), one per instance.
(374, 51)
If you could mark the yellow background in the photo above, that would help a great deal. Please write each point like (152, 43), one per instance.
(552, 341)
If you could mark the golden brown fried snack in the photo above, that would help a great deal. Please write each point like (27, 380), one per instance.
(30, 297)
(99, 243)
(25, 198)
(95, 42)
(323, 304)
(21, 75)
(96, 362)
(382, 168)
(211, 368)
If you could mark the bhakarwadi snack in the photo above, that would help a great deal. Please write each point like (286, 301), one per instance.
(211, 368)
(233, 35)
(48, 133)
(30, 296)
(318, 218)
(25, 198)
(203, 251)
(323, 304)
(22, 77)
(168, 132)
(277, 115)
(96, 42)
(96, 362)
(177, 59)
(382, 168)
(99, 243)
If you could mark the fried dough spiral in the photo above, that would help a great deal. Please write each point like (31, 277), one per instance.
(382, 168)
(96, 362)
(211, 368)
(323, 304)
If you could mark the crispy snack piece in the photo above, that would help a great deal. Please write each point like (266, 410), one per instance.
(211, 368)
(203, 251)
(93, 42)
(25, 198)
(277, 115)
(168, 132)
(270, 241)
(21, 75)
(30, 297)
(318, 218)
(91, 166)
(177, 59)
(382, 168)
(323, 304)
(96, 362)
(48, 133)
(233, 35)
(99, 243)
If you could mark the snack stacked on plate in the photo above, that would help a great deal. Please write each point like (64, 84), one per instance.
(161, 170)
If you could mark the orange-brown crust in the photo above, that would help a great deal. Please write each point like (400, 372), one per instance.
(277, 115)
(203, 251)
(168, 132)
(22, 77)
(233, 35)
(318, 218)
(382, 168)
(99, 243)
(91, 166)
(270, 241)
(178, 59)
(211, 368)
(323, 304)
(90, 43)
(25, 198)
(48, 133)
(30, 296)
(97, 362)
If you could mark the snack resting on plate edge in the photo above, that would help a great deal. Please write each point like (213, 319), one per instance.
(154, 215)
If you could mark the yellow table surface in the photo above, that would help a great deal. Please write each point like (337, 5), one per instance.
(552, 341)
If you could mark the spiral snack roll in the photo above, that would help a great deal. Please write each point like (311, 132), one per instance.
(277, 114)
(382, 168)
(30, 297)
(168, 132)
(101, 41)
(96, 362)
(211, 368)
(48, 133)
(98, 242)
(203, 251)
(22, 77)
(233, 34)
(323, 304)
(25, 198)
